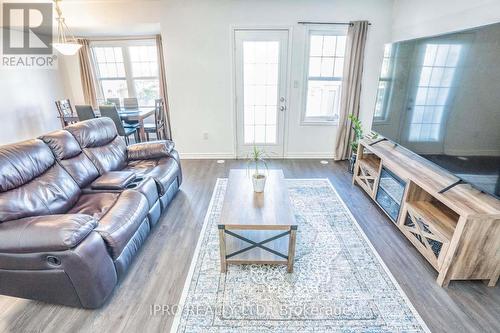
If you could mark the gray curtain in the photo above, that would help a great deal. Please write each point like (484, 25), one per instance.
(351, 87)
(163, 87)
(87, 74)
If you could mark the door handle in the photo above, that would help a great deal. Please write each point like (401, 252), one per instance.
(282, 108)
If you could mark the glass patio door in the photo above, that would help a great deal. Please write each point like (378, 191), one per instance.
(260, 73)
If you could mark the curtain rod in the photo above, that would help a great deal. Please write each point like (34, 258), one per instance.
(329, 23)
(110, 39)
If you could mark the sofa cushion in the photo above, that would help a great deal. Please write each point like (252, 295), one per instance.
(111, 157)
(119, 224)
(95, 204)
(22, 162)
(31, 183)
(101, 143)
(91, 133)
(69, 154)
(164, 171)
(62, 143)
(45, 233)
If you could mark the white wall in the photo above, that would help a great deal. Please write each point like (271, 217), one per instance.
(27, 96)
(197, 44)
(27, 103)
(102, 19)
(412, 19)
(69, 67)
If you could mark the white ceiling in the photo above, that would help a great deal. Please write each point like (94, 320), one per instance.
(112, 17)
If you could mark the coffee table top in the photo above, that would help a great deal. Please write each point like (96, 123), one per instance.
(245, 209)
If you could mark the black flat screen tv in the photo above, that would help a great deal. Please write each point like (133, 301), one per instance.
(440, 98)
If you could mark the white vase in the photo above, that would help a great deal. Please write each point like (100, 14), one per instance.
(259, 182)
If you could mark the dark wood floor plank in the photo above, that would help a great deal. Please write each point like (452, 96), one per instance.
(157, 276)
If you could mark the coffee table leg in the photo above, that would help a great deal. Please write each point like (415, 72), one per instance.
(222, 245)
(291, 247)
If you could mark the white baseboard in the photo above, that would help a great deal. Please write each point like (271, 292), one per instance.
(300, 155)
(207, 156)
(230, 156)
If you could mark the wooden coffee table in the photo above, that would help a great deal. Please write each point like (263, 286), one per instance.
(257, 228)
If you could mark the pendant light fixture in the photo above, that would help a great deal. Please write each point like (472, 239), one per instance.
(66, 43)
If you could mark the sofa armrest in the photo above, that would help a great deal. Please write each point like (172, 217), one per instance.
(150, 150)
(45, 233)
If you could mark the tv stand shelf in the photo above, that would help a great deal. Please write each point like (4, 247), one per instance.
(441, 223)
(457, 231)
(369, 168)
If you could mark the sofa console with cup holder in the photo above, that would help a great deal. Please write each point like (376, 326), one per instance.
(76, 205)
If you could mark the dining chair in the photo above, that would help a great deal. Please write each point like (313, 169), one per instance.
(158, 127)
(130, 103)
(111, 111)
(115, 101)
(64, 110)
(84, 112)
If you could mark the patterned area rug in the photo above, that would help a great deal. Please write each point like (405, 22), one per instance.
(339, 283)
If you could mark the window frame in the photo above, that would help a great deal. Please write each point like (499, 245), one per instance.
(320, 31)
(127, 63)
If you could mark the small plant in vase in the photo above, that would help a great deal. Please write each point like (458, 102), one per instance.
(256, 158)
(358, 135)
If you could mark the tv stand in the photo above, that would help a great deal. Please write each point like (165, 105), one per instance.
(455, 227)
(449, 187)
(377, 141)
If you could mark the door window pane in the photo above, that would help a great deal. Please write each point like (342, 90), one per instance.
(260, 90)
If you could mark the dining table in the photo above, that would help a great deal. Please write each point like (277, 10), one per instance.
(130, 115)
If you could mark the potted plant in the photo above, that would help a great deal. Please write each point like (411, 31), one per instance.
(255, 158)
(358, 135)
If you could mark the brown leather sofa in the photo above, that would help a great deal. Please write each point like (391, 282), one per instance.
(75, 207)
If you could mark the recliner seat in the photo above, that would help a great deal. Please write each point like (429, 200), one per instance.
(62, 242)
(159, 160)
(82, 169)
(45, 255)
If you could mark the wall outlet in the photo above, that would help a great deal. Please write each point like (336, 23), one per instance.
(205, 136)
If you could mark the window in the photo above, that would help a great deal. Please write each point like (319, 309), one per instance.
(145, 73)
(111, 71)
(324, 76)
(384, 84)
(260, 84)
(433, 90)
(127, 69)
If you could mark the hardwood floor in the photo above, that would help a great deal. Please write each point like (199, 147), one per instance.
(158, 273)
